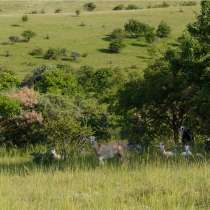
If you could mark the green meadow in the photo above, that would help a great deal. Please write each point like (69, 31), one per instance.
(85, 34)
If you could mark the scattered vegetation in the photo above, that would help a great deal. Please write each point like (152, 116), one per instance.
(89, 6)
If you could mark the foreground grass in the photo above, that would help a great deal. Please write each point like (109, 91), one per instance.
(82, 184)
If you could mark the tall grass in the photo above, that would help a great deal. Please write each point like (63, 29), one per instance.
(141, 182)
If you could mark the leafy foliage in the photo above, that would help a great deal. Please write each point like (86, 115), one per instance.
(163, 30)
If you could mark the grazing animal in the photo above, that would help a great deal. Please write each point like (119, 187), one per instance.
(187, 151)
(185, 135)
(165, 153)
(107, 151)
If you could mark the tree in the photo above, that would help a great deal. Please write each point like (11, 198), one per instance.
(149, 34)
(118, 33)
(135, 28)
(116, 46)
(27, 35)
(173, 91)
(163, 30)
(77, 12)
(89, 6)
(200, 29)
(25, 18)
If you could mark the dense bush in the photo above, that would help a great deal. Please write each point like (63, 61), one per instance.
(116, 46)
(14, 39)
(163, 30)
(89, 6)
(59, 81)
(8, 80)
(134, 28)
(117, 33)
(58, 10)
(132, 7)
(188, 3)
(55, 53)
(37, 52)
(25, 18)
(150, 34)
(119, 7)
(27, 35)
(8, 108)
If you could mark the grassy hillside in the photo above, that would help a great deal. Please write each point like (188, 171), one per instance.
(66, 30)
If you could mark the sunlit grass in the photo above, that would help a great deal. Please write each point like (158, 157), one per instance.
(141, 182)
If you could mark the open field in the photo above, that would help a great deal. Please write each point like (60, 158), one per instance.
(66, 31)
(135, 185)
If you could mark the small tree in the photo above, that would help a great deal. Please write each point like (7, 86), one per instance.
(135, 28)
(163, 30)
(77, 12)
(117, 33)
(119, 7)
(150, 34)
(25, 18)
(89, 6)
(116, 46)
(27, 35)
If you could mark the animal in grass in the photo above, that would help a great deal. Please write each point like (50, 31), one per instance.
(48, 156)
(108, 151)
(167, 154)
(207, 146)
(186, 136)
(187, 152)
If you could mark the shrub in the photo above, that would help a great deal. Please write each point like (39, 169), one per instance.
(163, 30)
(116, 46)
(53, 53)
(132, 7)
(134, 28)
(26, 96)
(150, 34)
(8, 107)
(117, 33)
(89, 6)
(27, 35)
(8, 80)
(119, 7)
(75, 56)
(188, 3)
(37, 52)
(25, 18)
(57, 81)
(77, 12)
(58, 10)
(34, 12)
(14, 39)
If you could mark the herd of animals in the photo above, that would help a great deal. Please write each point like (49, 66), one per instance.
(119, 148)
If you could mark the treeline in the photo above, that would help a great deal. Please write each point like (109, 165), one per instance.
(59, 105)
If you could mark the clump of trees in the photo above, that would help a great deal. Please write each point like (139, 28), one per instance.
(174, 89)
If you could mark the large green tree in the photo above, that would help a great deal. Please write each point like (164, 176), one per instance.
(175, 88)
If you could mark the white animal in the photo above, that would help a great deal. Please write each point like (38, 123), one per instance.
(107, 151)
(187, 152)
(167, 154)
(54, 155)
